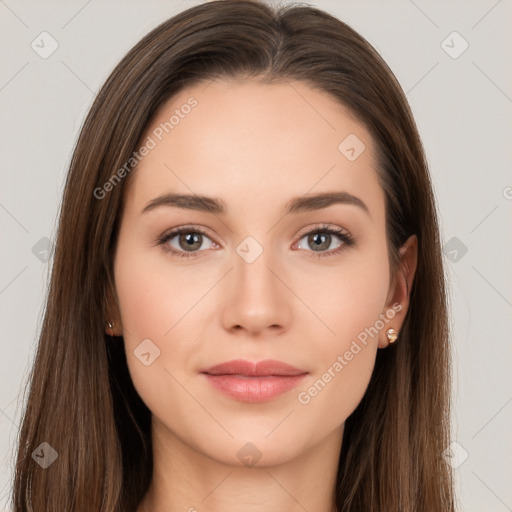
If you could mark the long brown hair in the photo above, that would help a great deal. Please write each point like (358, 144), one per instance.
(81, 399)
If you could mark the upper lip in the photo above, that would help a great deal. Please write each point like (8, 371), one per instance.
(261, 368)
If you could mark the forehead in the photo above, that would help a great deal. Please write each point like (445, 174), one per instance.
(249, 141)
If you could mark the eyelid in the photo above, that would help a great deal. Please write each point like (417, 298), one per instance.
(186, 227)
(321, 227)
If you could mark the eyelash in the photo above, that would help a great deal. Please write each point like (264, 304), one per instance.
(347, 240)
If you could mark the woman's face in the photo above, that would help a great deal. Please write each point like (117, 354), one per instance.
(254, 275)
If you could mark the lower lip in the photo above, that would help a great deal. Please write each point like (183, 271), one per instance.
(254, 389)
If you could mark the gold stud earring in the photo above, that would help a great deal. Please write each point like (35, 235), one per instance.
(111, 327)
(392, 335)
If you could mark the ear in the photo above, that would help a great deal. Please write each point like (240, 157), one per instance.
(112, 313)
(397, 302)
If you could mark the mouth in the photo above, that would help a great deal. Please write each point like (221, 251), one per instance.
(254, 382)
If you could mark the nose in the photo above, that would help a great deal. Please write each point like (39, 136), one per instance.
(256, 298)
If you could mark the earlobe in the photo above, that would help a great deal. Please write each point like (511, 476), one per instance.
(392, 335)
(109, 329)
(113, 328)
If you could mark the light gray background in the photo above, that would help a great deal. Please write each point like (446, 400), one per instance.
(463, 109)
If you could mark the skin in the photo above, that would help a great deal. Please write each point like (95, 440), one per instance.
(287, 304)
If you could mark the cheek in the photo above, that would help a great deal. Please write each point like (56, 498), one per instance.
(153, 295)
(350, 298)
(351, 303)
(153, 305)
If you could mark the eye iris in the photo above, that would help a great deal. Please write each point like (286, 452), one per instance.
(321, 239)
(191, 241)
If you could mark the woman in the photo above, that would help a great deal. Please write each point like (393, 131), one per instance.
(247, 305)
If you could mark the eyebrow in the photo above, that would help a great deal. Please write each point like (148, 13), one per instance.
(217, 206)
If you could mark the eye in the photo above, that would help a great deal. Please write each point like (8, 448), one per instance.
(183, 240)
(321, 239)
(188, 241)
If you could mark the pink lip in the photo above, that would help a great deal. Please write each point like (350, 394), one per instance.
(254, 382)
